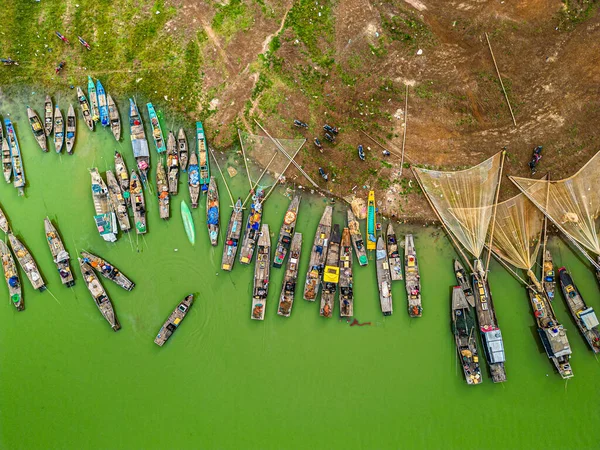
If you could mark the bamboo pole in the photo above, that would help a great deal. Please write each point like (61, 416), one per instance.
(487, 263)
(405, 125)
(279, 178)
(500, 79)
(545, 226)
(244, 156)
(212, 151)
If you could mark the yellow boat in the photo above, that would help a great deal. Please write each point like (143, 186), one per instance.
(371, 230)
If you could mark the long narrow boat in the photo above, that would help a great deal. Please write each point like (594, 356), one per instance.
(48, 116)
(172, 323)
(99, 295)
(102, 104)
(85, 109)
(413, 277)
(162, 191)
(60, 256)
(6, 159)
(384, 281)
(286, 232)
(491, 336)
(113, 116)
(27, 263)
(464, 329)
(584, 316)
(107, 270)
(15, 154)
(212, 211)
(232, 239)
(105, 218)
(394, 257)
(188, 222)
(288, 290)
(93, 96)
(357, 240)
(71, 129)
(59, 130)
(118, 201)
(252, 227)
(11, 275)
(549, 280)
(172, 164)
(552, 333)
(183, 149)
(371, 222)
(4, 225)
(157, 134)
(138, 141)
(346, 278)
(122, 176)
(331, 273)
(37, 128)
(137, 203)
(261, 274)
(317, 256)
(203, 157)
(463, 281)
(194, 180)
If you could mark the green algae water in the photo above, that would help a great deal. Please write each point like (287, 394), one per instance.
(225, 381)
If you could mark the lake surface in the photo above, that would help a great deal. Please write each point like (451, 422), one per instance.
(225, 381)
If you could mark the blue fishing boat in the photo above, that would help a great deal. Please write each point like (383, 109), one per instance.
(15, 155)
(156, 130)
(371, 228)
(93, 96)
(102, 104)
(138, 141)
(203, 157)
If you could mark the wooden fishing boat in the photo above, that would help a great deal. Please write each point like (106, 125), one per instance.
(552, 333)
(93, 96)
(105, 218)
(4, 226)
(394, 257)
(6, 159)
(138, 141)
(99, 295)
(162, 191)
(137, 203)
(261, 274)
(102, 104)
(188, 222)
(37, 128)
(183, 149)
(331, 274)
(86, 112)
(252, 227)
(317, 256)
(194, 179)
(118, 201)
(346, 278)
(202, 157)
(157, 135)
(114, 118)
(549, 281)
(15, 154)
(122, 176)
(584, 316)
(286, 232)
(172, 164)
(371, 222)
(59, 130)
(413, 278)
(174, 320)
(384, 279)
(107, 270)
(71, 129)
(11, 275)
(60, 256)
(357, 240)
(48, 116)
(232, 239)
(27, 263)
(491, 335)
(463, 281)
(288, 290)
(212, 211)
(464, 329)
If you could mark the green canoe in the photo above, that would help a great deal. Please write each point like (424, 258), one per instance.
(188, 222)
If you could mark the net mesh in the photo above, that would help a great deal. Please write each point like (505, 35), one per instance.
(464, 199)
(573, 204)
